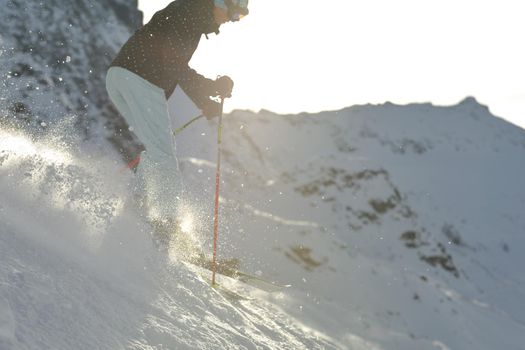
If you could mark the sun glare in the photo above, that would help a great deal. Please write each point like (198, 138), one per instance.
(187, 223)
(22, 146)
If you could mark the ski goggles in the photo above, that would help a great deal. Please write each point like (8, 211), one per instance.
(237, 9)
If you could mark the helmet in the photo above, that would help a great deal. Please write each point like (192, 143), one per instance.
(236, 8)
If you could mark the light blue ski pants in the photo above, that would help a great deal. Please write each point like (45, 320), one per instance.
(145, 108)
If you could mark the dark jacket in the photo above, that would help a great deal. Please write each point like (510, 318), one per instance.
(160, 51)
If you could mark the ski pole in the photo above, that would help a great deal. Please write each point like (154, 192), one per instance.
(177, 131)
(217, 188)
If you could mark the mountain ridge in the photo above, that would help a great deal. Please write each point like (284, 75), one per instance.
(398, 226)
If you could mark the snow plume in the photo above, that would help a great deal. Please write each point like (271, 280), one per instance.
(78, 269)
(47, 172)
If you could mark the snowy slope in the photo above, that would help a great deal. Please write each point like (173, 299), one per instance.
(401, 224)
(78, 270)
(399, 227)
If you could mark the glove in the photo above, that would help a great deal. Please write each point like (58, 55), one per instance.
(211, 109)
(224, 86)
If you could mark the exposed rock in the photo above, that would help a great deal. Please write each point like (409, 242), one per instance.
(53, 60)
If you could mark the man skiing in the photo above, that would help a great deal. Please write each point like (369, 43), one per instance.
(145, 73)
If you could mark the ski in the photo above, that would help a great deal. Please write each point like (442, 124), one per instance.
(259, 282)
(245, 278)
(226, 292)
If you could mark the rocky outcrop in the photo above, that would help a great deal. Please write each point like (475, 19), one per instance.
(54, 55)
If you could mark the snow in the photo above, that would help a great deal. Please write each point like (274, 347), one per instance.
(79, 271)
(54, 58)
(398, 227)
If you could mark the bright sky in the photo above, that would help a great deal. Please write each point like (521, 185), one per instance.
(291, 56)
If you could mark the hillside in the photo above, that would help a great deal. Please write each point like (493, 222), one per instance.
(398, 227)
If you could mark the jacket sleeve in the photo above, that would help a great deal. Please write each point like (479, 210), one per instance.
(186, 27)
(198, 88)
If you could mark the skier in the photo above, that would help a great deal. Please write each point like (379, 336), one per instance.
(145, 73)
